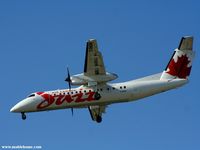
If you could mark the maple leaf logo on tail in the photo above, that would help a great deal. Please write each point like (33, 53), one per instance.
(180, 64)
(179, 67)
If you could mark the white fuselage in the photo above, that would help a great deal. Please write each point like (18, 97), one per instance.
(83, 96)
(95, 93)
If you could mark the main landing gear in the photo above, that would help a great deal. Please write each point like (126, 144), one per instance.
(99, 119)
(23, 116)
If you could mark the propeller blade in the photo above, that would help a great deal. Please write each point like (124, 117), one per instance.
(68, 79)
(72, 111)
(70, 85)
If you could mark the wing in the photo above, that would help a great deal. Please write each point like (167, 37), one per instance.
(96, 112)
(94, 64)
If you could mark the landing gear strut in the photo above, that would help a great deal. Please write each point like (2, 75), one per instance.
(99, 119)
(23, 116)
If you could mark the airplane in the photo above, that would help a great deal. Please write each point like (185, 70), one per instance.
(95, 92)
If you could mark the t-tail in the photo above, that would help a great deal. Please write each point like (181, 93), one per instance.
(180, 64)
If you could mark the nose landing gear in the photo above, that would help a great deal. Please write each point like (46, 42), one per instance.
(23, 116)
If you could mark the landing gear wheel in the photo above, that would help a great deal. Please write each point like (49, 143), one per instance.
(23, 116)
(99, 119)
(97, 96)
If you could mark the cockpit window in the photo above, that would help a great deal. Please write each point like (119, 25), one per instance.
(31, 95)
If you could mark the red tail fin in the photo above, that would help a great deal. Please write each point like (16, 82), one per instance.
(181, 62)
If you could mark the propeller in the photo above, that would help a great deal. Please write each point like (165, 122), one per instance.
(68, 79)
(72, 109)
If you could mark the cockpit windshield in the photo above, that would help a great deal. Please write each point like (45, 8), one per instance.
(31, 95)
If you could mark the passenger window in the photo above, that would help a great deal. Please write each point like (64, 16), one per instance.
(125, 87)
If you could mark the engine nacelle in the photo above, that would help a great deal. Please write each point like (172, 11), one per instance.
(81, 79)
(78, 80)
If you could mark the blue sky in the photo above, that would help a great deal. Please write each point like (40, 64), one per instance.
(39, 39)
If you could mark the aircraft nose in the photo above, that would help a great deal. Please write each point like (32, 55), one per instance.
(16, 108)
(13, 109)
(22, 106)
